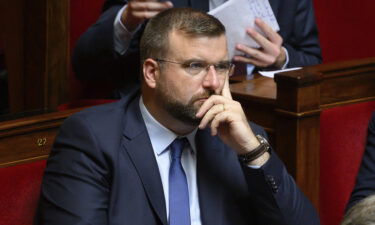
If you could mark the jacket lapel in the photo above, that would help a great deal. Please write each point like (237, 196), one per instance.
(210, 192)
(138, 146)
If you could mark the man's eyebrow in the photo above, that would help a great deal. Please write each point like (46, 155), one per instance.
(225, 61)
(204, 61)
(193, 60)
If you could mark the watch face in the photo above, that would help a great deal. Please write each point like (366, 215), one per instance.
(261, 139)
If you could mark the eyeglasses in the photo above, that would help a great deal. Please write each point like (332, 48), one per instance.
(196, 67)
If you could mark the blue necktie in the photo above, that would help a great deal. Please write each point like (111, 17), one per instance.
(179, 210)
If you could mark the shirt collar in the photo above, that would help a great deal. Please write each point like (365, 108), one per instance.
(160, 136)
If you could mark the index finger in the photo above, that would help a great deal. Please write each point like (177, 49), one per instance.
(272, 35)
(226, 90)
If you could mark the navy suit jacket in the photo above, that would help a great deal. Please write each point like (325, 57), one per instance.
(365, 184)
(94, 56)
(102, 170)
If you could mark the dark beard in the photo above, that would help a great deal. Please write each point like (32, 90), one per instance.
(184, 113)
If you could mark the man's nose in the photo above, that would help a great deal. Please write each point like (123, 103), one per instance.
(211, 79)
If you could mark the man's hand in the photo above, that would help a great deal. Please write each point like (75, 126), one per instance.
(270, 52)
(138, 11)
(227, 119)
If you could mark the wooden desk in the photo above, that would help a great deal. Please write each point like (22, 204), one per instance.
(258, 98)
(29, 139)
(289, 107)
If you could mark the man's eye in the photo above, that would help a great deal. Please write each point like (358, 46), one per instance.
(222, 66)
(196, 65)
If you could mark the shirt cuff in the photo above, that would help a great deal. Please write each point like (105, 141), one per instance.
(286, 59)
(121, 36)
(254, 167)
(249, 68)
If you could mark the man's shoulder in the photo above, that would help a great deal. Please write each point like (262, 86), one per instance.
(103, 110)
(104, 124)
(111, 111)
(105, 116)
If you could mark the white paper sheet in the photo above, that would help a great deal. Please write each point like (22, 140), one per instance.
(238, 15)
(272, 73)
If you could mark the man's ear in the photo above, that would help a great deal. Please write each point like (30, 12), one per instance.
(150, 72)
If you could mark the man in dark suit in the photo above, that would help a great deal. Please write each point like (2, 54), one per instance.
(117, 163)
(365, 184)
(109, 50)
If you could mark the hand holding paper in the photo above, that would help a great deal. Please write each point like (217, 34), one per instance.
(270, 52)
(252, 32)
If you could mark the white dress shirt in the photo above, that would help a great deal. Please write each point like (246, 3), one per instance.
(161, 138)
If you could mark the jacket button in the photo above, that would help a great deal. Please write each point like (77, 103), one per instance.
(272, 183)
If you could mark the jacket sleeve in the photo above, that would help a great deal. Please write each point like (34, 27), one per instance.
(303, 44)
(94, 56)
(276, 195)
(75, 186)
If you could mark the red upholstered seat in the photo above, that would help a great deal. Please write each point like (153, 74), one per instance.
(19, 192)
(343, 133)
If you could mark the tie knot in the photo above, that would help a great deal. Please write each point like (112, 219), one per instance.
(177, 146)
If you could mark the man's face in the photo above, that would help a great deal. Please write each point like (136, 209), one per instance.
(180, 92)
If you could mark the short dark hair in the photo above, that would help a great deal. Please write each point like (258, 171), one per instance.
(194, 23)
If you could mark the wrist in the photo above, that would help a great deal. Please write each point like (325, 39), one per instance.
(130, 23)
(281, 59)
(258, 155)
(261, 160)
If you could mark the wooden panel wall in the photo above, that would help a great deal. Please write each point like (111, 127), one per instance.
(35, 38)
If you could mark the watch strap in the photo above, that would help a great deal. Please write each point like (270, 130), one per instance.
(257, 152)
